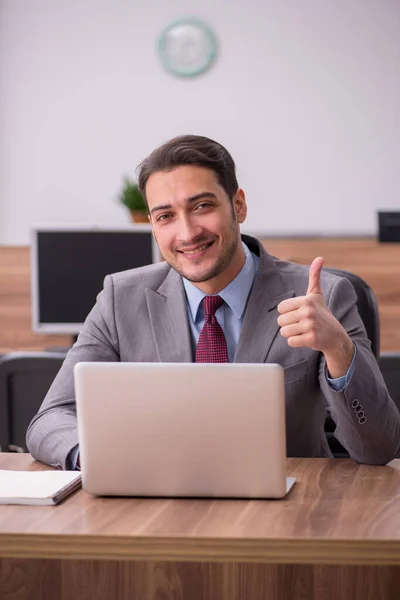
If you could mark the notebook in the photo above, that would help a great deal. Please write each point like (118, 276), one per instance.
(182, 429)
(37, 487)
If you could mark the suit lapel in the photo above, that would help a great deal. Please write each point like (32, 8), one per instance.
(168, 318)
(260, 324)
(169, 322)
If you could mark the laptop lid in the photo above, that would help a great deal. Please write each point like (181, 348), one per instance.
(182, 429)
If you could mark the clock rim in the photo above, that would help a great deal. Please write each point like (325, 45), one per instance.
(209, 60)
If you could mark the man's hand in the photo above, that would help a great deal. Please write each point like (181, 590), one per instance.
(306, 321)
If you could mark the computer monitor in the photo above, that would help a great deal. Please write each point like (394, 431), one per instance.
(389, 226)
(68, 267)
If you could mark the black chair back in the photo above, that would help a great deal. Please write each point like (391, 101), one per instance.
(367, 307)
(25, 378)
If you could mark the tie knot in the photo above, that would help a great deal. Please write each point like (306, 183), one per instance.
(212, 304)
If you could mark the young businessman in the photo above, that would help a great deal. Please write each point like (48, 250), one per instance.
(268, 310)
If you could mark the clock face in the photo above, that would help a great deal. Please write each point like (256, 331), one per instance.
(187, 48)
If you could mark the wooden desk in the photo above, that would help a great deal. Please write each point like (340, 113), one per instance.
(337, 535)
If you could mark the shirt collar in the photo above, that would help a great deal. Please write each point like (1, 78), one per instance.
(235, 293)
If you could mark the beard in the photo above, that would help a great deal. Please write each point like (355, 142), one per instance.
(222, 261)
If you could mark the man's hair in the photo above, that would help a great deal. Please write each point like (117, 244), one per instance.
(191, 150)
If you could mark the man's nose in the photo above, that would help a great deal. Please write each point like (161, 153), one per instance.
(188, 230)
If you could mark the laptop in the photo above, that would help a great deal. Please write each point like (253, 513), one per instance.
(182, 429)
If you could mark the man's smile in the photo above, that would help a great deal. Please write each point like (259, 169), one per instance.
(195, 252)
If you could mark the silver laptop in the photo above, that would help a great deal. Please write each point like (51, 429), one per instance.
(182, 429)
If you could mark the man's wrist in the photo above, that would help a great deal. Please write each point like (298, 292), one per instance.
(338, 359)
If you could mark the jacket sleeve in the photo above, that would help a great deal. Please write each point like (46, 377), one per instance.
(53, 432)
(367, 419)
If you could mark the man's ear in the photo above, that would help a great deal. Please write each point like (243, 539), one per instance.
(240, 206)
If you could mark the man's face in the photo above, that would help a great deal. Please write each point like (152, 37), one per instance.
(195, 225)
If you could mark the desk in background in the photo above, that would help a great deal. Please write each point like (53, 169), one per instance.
(336, 536)
(378, 264)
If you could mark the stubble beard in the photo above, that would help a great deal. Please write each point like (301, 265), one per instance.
(222, 262)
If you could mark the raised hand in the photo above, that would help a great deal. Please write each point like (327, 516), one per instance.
(306, 321)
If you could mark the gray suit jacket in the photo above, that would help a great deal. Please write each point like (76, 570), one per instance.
(141, 316)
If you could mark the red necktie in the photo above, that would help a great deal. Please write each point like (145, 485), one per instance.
(211, 347)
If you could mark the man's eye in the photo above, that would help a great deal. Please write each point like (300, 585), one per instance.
(204, 205)
(163, 217)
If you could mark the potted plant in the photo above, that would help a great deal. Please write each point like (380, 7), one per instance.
(131, 197)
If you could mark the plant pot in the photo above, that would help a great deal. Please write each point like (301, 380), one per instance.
(139, 216)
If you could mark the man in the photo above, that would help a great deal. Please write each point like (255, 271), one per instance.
(258, 309)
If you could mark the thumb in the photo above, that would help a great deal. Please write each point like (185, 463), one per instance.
(314, 286)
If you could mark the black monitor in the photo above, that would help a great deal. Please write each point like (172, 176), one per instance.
(389, 226)
(68, 267)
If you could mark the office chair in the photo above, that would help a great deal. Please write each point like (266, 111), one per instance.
(369, 313)
(389, 363)
(367, 307)
(25, 378)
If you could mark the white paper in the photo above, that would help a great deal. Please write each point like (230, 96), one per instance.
(34, 484)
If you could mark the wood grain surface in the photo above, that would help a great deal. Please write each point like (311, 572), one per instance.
(335, 537)
(114, 580)
(339, 512)
(378, 264)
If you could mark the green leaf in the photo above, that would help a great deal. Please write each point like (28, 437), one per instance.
(131, 197)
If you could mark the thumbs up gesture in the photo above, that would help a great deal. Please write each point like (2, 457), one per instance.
(306, 321)
(314, 284)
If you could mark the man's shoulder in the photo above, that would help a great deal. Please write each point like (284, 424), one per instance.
(293, 276)
(150, 276)
(296, 276)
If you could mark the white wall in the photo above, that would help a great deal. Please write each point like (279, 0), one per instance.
(305, 95)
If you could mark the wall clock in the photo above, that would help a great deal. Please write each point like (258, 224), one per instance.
(187, 48)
